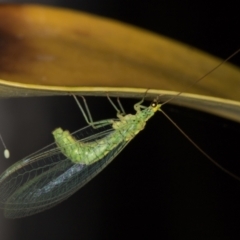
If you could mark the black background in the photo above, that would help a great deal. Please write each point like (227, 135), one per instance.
(160, 186)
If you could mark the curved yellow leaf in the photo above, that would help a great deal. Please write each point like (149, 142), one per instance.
(48, 51)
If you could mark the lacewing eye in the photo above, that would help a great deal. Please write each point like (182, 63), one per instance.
(154, 104)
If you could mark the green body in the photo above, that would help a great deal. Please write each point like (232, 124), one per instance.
(87, 153)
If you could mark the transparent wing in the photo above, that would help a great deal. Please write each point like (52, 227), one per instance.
(47, 177)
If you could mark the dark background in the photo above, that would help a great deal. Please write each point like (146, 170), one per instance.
(160, 186)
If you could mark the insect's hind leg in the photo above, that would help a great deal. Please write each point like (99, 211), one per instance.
(88, 116)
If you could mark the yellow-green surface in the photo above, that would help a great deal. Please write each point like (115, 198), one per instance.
(55, 51)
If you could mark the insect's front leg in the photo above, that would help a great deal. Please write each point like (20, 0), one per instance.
(138, 107)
